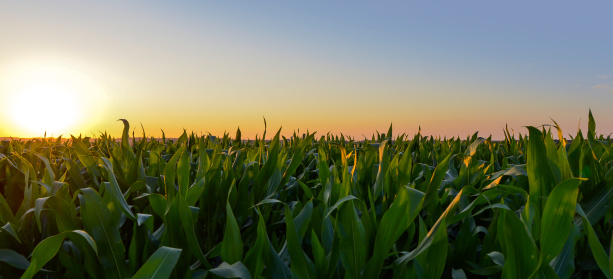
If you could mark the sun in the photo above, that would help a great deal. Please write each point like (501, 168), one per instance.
(42, 105)
(50, 100)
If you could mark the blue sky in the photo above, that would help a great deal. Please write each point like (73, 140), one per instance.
(353, 67)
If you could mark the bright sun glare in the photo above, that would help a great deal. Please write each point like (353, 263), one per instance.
(50, 99)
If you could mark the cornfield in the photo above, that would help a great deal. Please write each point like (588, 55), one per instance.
(331, 206)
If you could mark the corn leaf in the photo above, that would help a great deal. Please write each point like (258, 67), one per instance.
(160, 264)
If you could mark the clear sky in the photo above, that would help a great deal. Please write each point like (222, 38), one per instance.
(341, 66)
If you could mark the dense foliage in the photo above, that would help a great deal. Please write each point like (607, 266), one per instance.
(308, 207)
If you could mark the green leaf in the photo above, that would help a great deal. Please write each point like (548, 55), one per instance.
(46, 249)
(564, 264)
(598, 202)
(14, 259)
(237, 270)
(395, 221)
(352, 237)
(267, 170)
(521, 255)
(170, 173)
(383, 177)
(597, 250)
(432, 189)
(591, 124)
(160, 264)
(232, 245)
(323, 170)
(49, 174)
(458, 274)
(497, 257)
(187, 223)
(64, 213)
(6, 214)
(558, 217)
(183, 171)
(275, 267)
(136, 186)
(611, 257)
(126, 150)
(85, 156)
(433, 262)
(302, 267)
(75, 174)
(337, 204)
(405, 165)
(141, 245)
(296, 159)
(256, 256)
(174, 236)
(321, 266)
(545, 271)
(115, 191)
(97, 222)
(10, 230)
(194, 192)
(158, 204)
(540, 177)
(424, 244)
(303, 219)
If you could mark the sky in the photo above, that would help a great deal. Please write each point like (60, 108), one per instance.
(350, 67)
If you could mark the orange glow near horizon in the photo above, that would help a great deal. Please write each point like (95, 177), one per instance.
(60, 100)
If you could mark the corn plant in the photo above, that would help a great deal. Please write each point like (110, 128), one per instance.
(308, 206)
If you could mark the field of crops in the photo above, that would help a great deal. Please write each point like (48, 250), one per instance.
(308, 206)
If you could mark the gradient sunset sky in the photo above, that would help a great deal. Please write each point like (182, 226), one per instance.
(354, 67)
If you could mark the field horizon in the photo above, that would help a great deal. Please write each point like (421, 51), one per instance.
(136, 131)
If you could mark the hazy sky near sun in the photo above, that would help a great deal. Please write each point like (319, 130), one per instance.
(342, 66)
